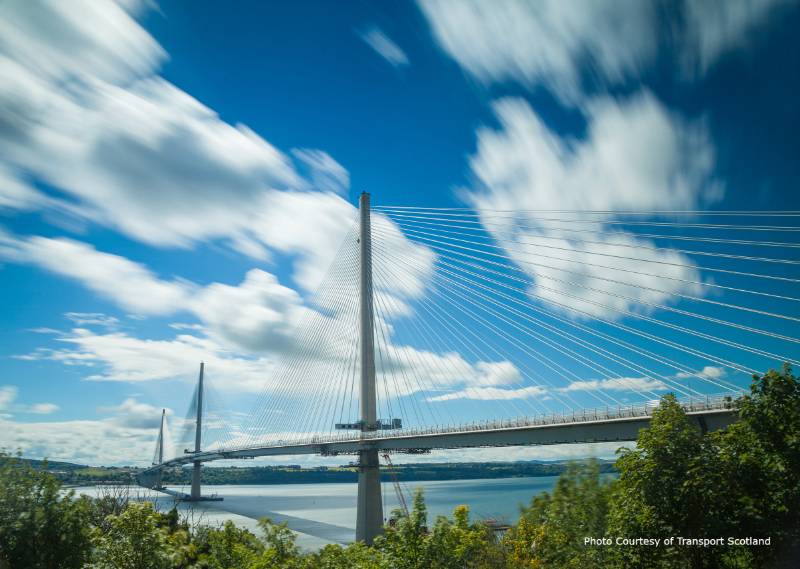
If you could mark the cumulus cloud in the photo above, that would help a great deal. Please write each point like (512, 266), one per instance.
(385, 47)
(570, 49)
(258, 314)
(635, 156)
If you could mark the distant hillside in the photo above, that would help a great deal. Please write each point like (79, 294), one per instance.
(294, 474)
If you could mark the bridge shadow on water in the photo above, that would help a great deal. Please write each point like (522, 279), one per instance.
(246, 506)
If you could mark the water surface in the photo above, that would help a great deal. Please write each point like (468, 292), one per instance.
(326, 513)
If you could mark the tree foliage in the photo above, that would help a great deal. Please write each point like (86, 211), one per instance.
(40, 527)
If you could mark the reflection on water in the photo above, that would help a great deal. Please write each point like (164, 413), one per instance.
(324, 513)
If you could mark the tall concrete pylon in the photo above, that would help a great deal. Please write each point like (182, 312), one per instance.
(369, 514)
(161, 436)
(160, 448)
(198, 434)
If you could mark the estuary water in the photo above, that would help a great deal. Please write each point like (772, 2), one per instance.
(326, 513)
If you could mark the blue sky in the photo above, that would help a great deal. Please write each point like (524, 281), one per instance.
(176, 178)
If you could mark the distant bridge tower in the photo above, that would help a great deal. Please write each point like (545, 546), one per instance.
(159, 458)
(369, 516)
(195, 494)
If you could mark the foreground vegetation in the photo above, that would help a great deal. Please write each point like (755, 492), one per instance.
(742, 482)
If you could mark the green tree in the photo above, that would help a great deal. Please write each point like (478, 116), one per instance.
(552, 529)
(759, 457)
(457, 543)
(405, 543)
(228, 547)
(134, 540)
(668, 486)
(40, 527)
(354, 556)
(743, 481)
(280, 549)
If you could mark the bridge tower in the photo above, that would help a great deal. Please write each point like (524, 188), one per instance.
(160, 457)
(160, 447)
(195, 493)
(369, 516)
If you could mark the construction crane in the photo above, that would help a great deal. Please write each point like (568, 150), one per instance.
(397, 490)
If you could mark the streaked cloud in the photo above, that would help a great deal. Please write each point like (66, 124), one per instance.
(325, 173)
(577, 50)
(492, 393)
(376, 39)
(639, 384)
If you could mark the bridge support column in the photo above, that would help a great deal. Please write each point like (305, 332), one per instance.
(369, 513)
(369, 516)
(195, 493)
(160, 449)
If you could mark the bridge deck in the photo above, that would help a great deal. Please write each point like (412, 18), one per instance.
(596, 425)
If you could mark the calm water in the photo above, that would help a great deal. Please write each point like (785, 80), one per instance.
(325, 513)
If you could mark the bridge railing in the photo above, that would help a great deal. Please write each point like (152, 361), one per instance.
(708, 403)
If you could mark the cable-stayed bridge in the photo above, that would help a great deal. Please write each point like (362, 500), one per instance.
(466, 328)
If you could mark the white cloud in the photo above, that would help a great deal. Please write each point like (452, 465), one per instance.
(84, 442)
(256, 315)
(713, 27)
(43, 408)
(129, 284)
(15, 193)
(708, 372)
(635, 156)
(92, 319)
(8, 394)
(618, 384)
(567, 47)
(122, 147)
(154, 163)
(385, 47)
(121, 357)
(44, 330)
(82, 39)
(325, 173)
(135, 414)
(548, 42)
(492, 393)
